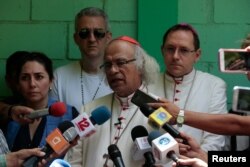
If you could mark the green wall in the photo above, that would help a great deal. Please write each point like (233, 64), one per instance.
(153, 20)
(47, 26)
(219, 26)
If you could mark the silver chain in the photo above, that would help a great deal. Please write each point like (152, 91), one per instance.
(82, 89)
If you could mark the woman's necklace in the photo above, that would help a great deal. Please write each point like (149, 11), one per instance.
(189, 92)
(82, 87)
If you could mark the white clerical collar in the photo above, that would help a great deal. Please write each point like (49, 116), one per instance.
(125, 102)
(186, 78)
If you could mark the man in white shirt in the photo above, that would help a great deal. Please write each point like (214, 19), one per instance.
(127, 68)
(82, 81)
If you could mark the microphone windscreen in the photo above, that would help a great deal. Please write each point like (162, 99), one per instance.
(114, 151)
(138, 131)
(57, 109)
(65, 125)
(153, 135)
(100, 115)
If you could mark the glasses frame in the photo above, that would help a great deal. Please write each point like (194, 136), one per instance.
(98, 33)
(118, 63)
(181, 51)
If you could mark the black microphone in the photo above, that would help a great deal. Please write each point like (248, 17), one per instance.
(57, 141)
(147, 110)
(115, 155)
(149, 159)
(141, 147)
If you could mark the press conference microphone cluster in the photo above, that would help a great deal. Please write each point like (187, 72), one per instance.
(57, 141)
(159, 119)
(57, 109)
(85, 125)
(115, 155)
(141, 148)
(165, 147)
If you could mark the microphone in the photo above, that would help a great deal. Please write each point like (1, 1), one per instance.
(84, 124)
(56, 109)
(159, 119)
(141, 146)
(115, 155)
(59, 163)
(156, 118)
(165, 147)
(57, 141)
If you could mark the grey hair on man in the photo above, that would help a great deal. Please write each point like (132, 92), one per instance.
(146, 64)
(92, 11)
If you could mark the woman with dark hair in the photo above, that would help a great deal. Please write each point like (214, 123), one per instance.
(10, 80)
(34, 78)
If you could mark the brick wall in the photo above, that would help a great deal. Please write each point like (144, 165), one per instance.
(221, 24)
(47, 26)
